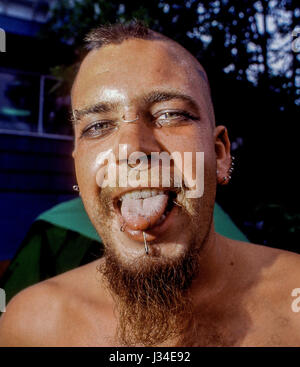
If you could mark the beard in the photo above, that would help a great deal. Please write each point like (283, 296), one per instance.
(152, 294)
(152, 298)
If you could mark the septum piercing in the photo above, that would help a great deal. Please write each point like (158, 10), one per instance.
(145, 243)
(123, 117)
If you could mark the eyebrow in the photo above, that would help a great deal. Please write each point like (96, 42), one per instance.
(157, 96)
(150, 98)
(100, 107)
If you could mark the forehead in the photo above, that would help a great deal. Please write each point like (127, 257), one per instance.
(135, 67)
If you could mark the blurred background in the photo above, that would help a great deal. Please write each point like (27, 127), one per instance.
(251, 51)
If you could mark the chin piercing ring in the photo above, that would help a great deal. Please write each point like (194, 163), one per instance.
(175, 202)
(145, 243)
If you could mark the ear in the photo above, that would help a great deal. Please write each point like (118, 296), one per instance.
(223, 157)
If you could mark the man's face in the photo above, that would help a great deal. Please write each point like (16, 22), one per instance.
(129, 77)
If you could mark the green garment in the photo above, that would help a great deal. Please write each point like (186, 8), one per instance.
(63, 238)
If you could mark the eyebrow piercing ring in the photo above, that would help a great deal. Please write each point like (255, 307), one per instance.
(123, 117)
(145, 243)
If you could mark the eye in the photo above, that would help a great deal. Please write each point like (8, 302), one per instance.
(174, 118)
(98, 129)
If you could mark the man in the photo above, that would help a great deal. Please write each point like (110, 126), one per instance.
(167, 278)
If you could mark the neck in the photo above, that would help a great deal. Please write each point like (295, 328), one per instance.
(209, 294)
(215, 268)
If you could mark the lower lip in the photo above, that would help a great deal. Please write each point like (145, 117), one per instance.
(153, 233)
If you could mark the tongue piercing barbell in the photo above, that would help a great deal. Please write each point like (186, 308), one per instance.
(145, 243)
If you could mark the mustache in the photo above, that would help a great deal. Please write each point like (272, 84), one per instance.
(174, 183)
(163, 170)
(156, 174)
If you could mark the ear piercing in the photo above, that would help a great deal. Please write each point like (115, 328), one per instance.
(231, 169)
(76, 188)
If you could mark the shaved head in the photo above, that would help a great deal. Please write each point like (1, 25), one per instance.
(114, 36)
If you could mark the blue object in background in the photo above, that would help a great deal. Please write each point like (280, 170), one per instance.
(18, 211)
(35, 174)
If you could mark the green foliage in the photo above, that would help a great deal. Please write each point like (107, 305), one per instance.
(70, 20)
(234, 36)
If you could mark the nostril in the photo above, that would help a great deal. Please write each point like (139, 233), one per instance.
(141, 161)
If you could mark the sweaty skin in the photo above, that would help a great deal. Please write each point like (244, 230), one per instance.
(244, 290)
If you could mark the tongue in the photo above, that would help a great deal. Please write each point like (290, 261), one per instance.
(140, 214)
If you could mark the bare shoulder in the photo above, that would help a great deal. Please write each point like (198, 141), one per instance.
(22, 324)
(273, 291)
(269, 261)
(37, 315)
(278, 264)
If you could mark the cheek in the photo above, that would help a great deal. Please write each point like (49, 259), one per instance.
(86, 173)
(190, 139)
(85, 170)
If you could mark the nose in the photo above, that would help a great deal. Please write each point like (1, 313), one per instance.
(138, 136)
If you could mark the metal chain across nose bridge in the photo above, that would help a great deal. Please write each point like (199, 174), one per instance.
(129, 121)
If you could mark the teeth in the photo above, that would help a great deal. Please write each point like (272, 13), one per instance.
(141, 194)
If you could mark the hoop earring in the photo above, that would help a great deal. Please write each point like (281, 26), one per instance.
(231, 169)
(76, 188)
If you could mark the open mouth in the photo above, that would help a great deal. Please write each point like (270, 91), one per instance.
(145, 210)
